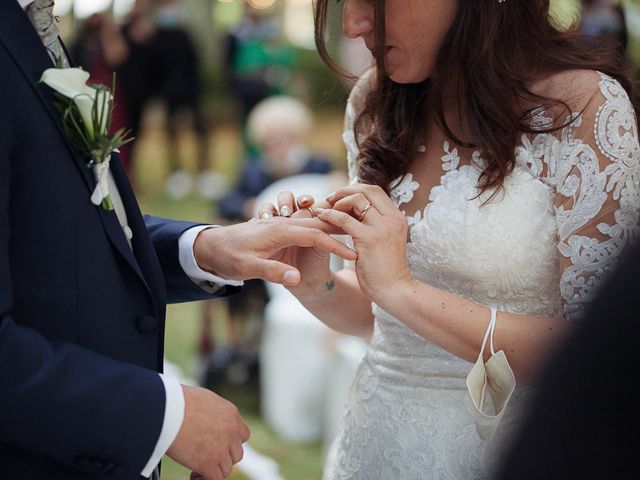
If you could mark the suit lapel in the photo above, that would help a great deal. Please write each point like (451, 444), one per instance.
(25, 47)
(146, 260)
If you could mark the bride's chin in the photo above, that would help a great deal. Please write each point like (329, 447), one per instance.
(403, 77)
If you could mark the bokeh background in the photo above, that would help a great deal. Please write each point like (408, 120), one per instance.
(188, 74)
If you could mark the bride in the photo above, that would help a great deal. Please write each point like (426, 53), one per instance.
(495, 167)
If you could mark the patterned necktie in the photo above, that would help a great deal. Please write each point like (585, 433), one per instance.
(40, 12)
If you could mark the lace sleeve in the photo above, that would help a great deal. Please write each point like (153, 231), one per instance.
(597, 179)
(355, 104)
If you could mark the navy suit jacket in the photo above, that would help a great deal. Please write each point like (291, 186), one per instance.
(81, 313)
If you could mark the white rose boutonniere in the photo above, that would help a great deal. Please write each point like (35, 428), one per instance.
(86, 112)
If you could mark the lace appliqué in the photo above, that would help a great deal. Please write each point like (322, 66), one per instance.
(576, 171)
(403, 192)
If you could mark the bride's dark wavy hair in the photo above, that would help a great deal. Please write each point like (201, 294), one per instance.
(491, 54)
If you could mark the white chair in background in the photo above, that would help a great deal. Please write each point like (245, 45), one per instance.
(297, 351)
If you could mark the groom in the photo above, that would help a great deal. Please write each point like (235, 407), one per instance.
(83, 293)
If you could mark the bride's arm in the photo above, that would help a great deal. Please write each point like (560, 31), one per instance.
(458, 325)
(341, 305)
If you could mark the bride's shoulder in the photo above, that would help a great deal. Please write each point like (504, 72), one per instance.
(576, 88)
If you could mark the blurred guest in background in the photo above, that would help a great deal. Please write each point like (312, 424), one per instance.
(279, 126)
(100, 49)
(135, 73)
(605, 20)
(257, 61)
(180, 90)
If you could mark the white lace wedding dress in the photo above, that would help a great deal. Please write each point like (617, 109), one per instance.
(542, 247)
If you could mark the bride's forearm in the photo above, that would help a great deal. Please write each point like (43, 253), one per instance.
(458, 325)
(341, 305)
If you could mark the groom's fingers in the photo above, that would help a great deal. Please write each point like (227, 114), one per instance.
(211, 427)
(237, 453)
(226, 466)
(245, 433)
(308, 237)
(306, 221)
(274, 271)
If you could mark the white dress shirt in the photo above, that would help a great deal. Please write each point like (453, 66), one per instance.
(174, 405)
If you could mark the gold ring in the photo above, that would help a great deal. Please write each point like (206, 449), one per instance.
(312, 211)
(365, 210)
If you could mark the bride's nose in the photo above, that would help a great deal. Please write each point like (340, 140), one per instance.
(357, 18)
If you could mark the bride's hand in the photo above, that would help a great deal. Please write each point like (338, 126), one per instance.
(312, 262)
(379, 232)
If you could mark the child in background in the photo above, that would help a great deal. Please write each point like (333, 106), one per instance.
(279, 127)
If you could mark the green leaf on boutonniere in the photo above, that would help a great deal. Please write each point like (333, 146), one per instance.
(86, 113)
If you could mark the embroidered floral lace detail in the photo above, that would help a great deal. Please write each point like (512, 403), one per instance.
(596, 177)
(451, 159)
(542, 246)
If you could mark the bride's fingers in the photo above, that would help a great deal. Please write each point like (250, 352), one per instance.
(267, 210)
(301, 218)
(305, 201)
(307, 206)
(344, 221)
(373, 193)
(356, 205)
(317, 223)
(286, 203)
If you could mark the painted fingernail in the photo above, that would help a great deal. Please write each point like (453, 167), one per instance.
(330, 196)
(285, 211)
(291, 277)
(304, 200)
(266, 215)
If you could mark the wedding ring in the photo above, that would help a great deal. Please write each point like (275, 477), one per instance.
(312, 211)
(364, 211)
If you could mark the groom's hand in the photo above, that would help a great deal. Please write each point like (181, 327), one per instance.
(258, 249)
(211, 436)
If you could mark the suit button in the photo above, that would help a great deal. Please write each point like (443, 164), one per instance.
(147, 324)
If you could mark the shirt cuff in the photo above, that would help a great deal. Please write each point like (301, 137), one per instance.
(173, 416)
(205, 280)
